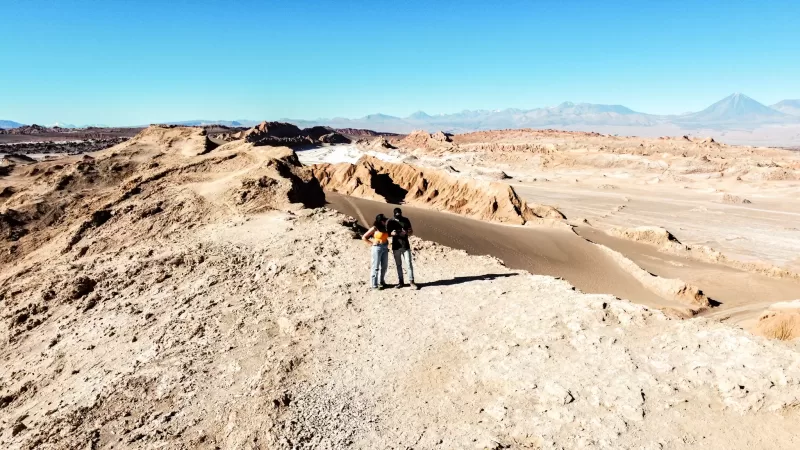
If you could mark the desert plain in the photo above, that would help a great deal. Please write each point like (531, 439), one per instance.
(196, 288)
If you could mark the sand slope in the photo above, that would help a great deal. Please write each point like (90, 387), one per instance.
(547, 250)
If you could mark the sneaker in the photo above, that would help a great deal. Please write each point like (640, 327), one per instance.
(383, 286)
(400, 285)
(414, 286)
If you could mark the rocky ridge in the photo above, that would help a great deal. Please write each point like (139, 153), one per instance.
(376, 179)
(286, 134)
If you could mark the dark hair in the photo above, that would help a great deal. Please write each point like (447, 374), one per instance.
(398, 212)
(379, 225)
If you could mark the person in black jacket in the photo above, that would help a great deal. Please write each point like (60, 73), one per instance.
(399, 228)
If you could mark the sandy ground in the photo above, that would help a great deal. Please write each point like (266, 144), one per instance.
(680, 184)
(245, 333)
(181, 296)
(765, 230)
(539, 250)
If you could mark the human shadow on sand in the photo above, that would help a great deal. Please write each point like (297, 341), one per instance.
(459, 280)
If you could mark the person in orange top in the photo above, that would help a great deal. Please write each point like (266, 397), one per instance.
(378, 238)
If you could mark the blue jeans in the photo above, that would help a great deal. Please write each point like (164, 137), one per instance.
(380, 262)
(400, 255)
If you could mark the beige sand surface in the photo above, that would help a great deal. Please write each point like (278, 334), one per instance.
(764, 231)
(728, 286)
(537, 249)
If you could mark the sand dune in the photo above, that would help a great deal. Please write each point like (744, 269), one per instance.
(541, 250)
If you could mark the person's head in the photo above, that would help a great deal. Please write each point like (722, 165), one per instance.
(398, 212)
(380, 221)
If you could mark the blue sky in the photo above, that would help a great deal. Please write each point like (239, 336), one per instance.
(124, 63)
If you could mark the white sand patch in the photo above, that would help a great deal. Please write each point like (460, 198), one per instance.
(348, 153)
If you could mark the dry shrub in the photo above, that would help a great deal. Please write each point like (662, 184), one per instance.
(783, 331)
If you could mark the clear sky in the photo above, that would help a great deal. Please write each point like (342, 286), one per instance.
(135, 62)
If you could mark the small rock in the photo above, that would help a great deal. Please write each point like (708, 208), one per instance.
(285, 325)
(18, 428)
(81, 287)
(91, 302)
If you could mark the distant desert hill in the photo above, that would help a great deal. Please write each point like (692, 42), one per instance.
(791, 107)
(6, 124)
(63, 125)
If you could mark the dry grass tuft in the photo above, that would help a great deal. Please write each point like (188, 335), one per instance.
(783, 331)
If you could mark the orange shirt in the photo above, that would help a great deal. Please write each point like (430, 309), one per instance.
(380, 237)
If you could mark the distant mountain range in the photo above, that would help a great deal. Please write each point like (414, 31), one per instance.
(736, 112)
(227, 123)
(6, 124)
(791, 107)
(64, 125)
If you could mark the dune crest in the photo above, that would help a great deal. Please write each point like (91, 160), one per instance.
(671, 289)
(667, 242)
(649, 235)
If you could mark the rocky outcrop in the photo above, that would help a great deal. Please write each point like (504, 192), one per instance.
(13, 159)
(170, 173)
(375, 179)
(39, 132)
(275, 134)
(28, 130)
(360, 132)
(70, 147)
(379, 143)
(282, 134)
(421, 139)
(649, 235)
(334, 138)
(442, 136)
(315, 133)
(735, 199)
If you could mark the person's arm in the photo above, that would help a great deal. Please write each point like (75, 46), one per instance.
(368, 235)
(410, 230)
